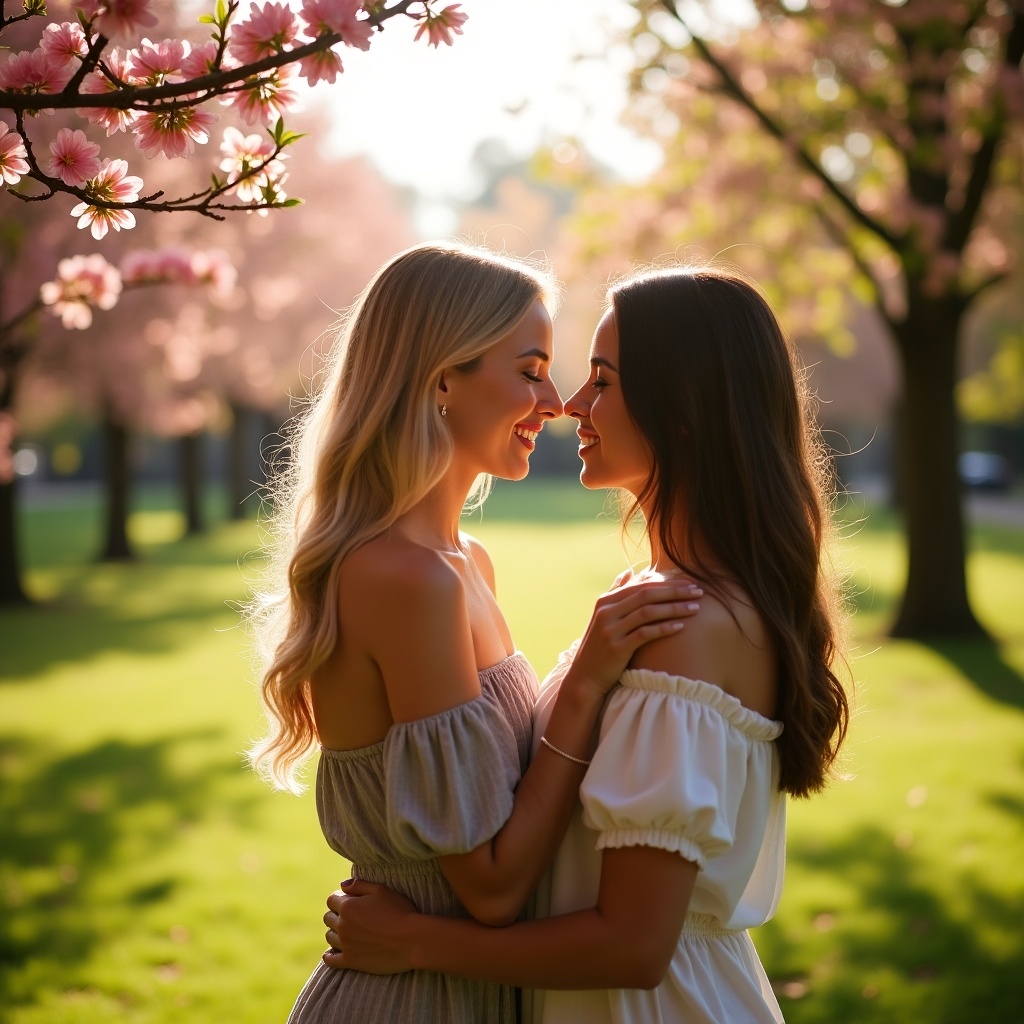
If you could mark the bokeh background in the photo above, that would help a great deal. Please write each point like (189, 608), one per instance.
(145, 874)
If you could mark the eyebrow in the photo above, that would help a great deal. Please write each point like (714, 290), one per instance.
(601, 361)
(537, 353)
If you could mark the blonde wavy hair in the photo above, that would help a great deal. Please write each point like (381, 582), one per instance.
(369, 447)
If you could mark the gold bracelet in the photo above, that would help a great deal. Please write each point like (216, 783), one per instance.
(562, 753)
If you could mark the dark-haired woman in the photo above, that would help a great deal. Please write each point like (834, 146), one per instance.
(694, 407)
(386, 651)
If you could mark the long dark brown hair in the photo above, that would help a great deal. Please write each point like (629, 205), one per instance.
(738, 489)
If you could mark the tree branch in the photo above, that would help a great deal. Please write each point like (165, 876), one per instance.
(984, 285)
(960, 223)
(735, 90)
(209, 86)
(843, 240)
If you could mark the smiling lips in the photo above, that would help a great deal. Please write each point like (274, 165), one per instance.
(586, 440)
(527, 434)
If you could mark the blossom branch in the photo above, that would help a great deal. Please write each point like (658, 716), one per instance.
(735, 90)
(961, 222)
(209, 86)
(842, 239)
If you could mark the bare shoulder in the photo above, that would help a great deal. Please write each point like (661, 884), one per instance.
(391, 585)
(407, 605)
(481, 559)
(726, 644)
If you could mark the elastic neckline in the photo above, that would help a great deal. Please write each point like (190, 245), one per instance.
(356, 753)
(711, 695)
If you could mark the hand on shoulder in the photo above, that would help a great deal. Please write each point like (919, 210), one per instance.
(727, 645)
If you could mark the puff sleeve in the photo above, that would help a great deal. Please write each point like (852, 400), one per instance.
(678, 764)
(449, 779)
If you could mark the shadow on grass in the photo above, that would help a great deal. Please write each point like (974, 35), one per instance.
(110, 608)
(76, 834)
(905, 951)
(982, 662)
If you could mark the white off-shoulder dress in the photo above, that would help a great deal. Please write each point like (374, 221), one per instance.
(683, 766)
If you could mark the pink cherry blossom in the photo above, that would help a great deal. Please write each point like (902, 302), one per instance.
(171, 265)
(112, 119)
(35, 71)
(243, 153)
(177, 265)
(173, 132)
(326, 16)
(214, 267)
(201, 61)
(113, 185)
(155, 63)
(322, 66)
(123, 20)
(82, 282)
(13, 156)
(65, 40)
(75, 158)
(443, 27)
(267, 30)
(266, 97)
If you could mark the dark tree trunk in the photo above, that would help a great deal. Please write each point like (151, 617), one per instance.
(117, 485)
(11, 590)
(935, 602)
(240, 459)
(191, 478)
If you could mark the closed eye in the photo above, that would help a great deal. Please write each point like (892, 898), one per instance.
(533, 378)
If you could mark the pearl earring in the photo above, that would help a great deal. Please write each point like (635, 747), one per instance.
(444, 410)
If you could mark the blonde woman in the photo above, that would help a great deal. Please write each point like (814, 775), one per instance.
(386, 647)
(693, 407)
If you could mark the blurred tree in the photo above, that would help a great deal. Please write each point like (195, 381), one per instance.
(860, 146)
(176, 363)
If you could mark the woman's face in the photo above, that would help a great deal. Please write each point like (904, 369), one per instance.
(496, 410)
(612, 450)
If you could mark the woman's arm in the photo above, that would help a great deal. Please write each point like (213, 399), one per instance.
(413, 618)
(626, 941)
(495, 881)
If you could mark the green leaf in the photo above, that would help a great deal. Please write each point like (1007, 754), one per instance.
(294, 201)
(221, 12)
(207, 19)
(287, 138)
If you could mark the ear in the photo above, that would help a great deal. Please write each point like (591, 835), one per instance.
(442, 389)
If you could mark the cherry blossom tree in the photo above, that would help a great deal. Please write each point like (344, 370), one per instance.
(83, 284)
(844, 148)
(102, 67)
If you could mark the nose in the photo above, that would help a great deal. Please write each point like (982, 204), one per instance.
(549, 401)
(577, 406)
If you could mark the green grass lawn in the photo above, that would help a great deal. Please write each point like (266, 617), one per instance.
(147, 876)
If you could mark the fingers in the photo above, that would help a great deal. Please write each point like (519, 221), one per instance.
(626, 611)
(334, 958)
(627, 599)
(351, 887)
(652, 591)
(655, 616)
